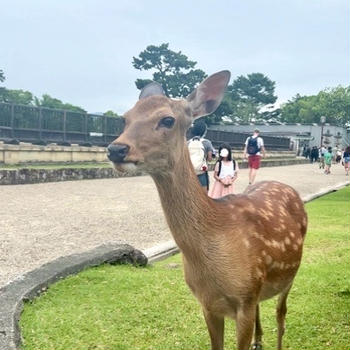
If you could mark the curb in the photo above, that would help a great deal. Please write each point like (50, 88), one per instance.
(33, 283)
(161, 251)
(30, 285)
(325, 191)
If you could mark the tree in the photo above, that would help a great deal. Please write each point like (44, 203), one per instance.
(247, 95)
(333, 103)
(110, 113)
(173, 70)
(256, 89)
(51, 102)
(2, 76)
(22, 97)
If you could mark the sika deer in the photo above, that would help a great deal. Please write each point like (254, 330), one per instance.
(237, 251)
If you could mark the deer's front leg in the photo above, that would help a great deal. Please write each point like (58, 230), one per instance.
(245, 321)
(215, 326)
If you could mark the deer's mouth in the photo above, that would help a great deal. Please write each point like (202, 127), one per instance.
(126, 166)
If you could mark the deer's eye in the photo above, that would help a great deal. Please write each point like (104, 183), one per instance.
(166, 122)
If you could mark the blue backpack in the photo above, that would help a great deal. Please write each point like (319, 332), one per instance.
(252, 147)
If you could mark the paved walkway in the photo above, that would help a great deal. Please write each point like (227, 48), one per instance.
(41, 222)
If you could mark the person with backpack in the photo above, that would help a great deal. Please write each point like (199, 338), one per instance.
(201, 152)
(254, 147)
(225, 173)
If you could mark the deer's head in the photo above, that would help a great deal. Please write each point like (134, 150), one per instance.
(153, 138)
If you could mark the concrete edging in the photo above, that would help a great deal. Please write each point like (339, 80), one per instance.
(33, 283)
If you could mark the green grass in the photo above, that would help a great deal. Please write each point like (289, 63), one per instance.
(124, 307)
(51, 166)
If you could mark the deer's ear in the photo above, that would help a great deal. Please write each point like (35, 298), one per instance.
(208, 95)
(151, 89)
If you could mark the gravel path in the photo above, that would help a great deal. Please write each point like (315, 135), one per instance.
(41, 222)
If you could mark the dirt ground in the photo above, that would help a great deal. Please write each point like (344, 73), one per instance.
(41, 222)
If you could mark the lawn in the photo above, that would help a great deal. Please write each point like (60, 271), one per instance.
(125, 307)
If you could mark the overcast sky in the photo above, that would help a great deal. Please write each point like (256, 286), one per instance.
(80, 51)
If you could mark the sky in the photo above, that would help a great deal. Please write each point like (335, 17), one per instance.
(81, 51)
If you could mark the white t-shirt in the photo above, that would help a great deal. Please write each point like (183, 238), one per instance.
(260, 143)
(226, 169)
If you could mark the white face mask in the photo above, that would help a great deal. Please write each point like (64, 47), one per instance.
(224, 152)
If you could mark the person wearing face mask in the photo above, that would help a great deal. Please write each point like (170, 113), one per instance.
(225, 173)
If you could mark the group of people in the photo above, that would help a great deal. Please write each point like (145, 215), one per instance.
(328, 156)
(226, 167)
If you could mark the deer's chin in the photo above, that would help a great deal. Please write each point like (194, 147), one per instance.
(126, 167)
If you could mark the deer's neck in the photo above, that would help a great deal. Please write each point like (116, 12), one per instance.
(187, 207)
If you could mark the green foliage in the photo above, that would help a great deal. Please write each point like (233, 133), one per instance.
(110, 113)
(2, 76)
(246, 96)
(123, 307)
(173, 70)
(333, 103)
(16, 96)
(256, 88)
(50, 102)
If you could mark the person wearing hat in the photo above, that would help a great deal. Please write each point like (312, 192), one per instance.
(254, 148)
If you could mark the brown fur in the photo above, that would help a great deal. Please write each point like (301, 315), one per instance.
(237, 251)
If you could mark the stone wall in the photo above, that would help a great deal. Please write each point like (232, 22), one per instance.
(28, 153)
(30, 176)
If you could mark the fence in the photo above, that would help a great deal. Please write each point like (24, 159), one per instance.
(43, 125)
(237, 140)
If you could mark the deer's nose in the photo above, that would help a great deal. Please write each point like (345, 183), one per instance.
(117, 152)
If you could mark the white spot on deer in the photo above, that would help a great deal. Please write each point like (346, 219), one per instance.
(275, 244)
(283, 211)
(275, 265)
(292, 234)
(287, 240)
(263, 253)
(250, 208)
(255, 234)
(300, 241)
(246, 242)
(268, 243)
(259, 273)
(304, 221)
(295, 247)
(268, 259)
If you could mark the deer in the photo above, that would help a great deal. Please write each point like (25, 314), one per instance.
(238, 250)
